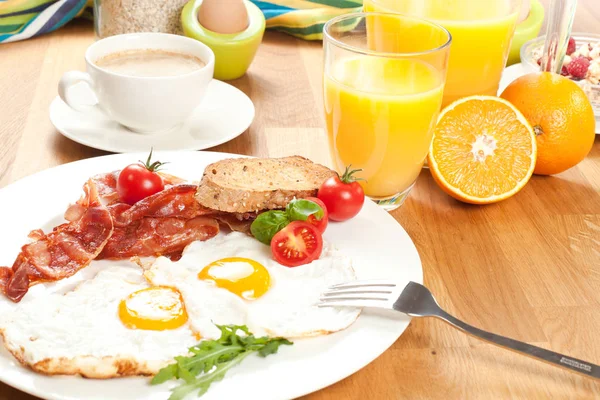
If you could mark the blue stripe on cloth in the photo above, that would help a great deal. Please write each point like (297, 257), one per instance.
(263, 5)
(40, 8)
(64, 14)
(274, 13)
(4, 37)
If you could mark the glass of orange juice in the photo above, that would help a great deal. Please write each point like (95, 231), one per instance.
(482, 31)
(382, 93)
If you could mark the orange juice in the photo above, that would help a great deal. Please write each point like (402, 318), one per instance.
(380, 115)
(481, 32)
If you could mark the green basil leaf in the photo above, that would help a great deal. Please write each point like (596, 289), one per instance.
(301, 209)
(267, 224)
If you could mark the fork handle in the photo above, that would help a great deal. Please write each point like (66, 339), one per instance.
(558, 359)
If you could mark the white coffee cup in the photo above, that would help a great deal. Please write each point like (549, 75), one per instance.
(143, 104)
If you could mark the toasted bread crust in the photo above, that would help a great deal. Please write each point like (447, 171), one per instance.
(243, 185)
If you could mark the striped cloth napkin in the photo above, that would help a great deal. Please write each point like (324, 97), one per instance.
(22, 19)
(304, 18)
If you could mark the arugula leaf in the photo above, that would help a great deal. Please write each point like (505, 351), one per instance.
(210, 360)
(301, 209)
(165, 374)
(272, 346)
(267, 224)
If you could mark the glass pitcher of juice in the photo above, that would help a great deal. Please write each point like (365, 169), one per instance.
(481, 30)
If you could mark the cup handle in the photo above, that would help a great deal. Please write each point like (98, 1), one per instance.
(69, 79)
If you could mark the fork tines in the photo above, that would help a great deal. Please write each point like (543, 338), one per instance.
(369, 293)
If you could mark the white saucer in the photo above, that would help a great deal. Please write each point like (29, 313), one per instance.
(517, 70)
(224, 114)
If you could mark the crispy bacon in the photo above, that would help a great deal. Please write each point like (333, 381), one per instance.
(62, 252)
(161, 224)
(175, 201)
(157, 236)
(237, 222)
(101, 227)
(107, 184)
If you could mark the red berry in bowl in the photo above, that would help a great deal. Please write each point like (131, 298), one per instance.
(571, 47)
(564, 71)
(578, 67)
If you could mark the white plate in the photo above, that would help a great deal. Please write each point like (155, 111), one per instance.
(517, 70)
(225, 113)
(380, 248)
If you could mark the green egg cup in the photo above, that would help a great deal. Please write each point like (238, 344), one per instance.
(526, 31)
(233, 52)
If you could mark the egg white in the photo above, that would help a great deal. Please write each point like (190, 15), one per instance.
(287, 309)
(82, 326)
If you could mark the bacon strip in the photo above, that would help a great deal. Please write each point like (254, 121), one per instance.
(107, 184)
(237, 222)
(157, 236)
(62, 252)
(161, 224)
(175, 201)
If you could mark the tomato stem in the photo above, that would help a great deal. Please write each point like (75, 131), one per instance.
(348, 177)
(152, 167)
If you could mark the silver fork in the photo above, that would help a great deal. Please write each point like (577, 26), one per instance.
(417, 301)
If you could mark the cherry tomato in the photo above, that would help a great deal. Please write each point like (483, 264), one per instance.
(138, 181)
(297, 244)
(343, 197)
(320, 224)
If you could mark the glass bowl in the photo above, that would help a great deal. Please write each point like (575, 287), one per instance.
(529, 57)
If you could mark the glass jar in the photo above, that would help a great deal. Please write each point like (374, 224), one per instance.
(532, 51)
(114, 17)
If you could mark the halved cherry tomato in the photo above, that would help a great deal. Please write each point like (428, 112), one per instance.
(343, 196)
(320, 224)
(297, 244)
(138, 181)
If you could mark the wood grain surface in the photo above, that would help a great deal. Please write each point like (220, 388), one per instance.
(527, 268)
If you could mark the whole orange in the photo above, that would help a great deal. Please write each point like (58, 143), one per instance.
(561, 116)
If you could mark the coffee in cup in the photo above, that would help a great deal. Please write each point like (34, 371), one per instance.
(150, 63)
(148, 82)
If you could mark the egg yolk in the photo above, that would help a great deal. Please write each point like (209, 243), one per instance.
(155, 308)
(241, 276)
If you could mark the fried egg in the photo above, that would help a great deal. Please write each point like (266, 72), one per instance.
(232, 279)
(114, 324)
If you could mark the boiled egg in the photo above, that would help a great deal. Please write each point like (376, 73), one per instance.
(223, 16)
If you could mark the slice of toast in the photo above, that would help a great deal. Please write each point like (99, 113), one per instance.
(241, 185)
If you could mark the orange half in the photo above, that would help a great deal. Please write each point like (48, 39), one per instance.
(483, 150)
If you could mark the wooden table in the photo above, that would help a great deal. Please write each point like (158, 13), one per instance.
(528, 268)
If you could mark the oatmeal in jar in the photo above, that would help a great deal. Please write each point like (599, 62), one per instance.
(113, 17)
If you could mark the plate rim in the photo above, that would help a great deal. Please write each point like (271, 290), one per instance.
(332, 379)
(116, 149)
